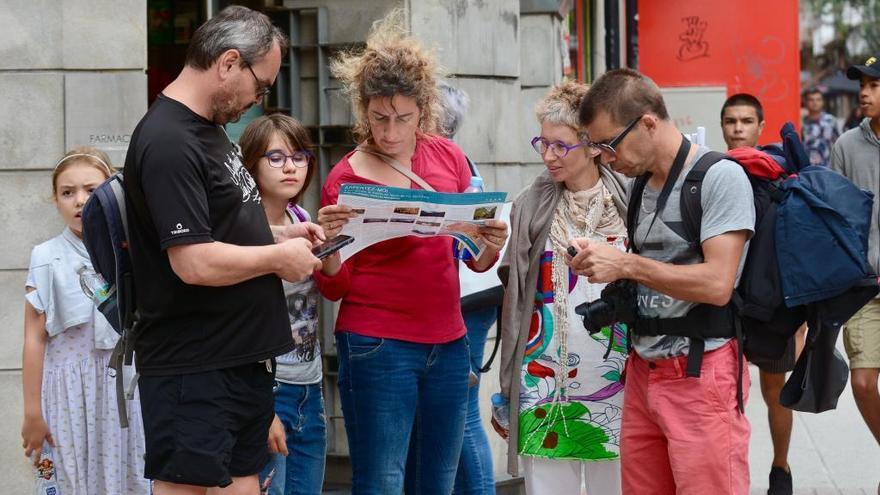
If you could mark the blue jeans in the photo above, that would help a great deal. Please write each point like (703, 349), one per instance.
(475, 473)
(301, 409)
(404, 405)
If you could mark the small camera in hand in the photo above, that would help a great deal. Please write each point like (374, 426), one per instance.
(617, 303)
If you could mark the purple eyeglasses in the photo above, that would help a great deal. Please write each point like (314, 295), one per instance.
(300, 159)
(559, 148)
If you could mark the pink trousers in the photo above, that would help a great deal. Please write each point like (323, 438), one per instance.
(683, 435)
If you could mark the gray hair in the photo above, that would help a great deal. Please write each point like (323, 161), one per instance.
(560, 106)
(240, 28)
(453, 103)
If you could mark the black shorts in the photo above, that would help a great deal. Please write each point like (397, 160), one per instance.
(205, 428)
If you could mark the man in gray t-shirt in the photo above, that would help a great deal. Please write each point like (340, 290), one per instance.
(727, 207)
(680, 433)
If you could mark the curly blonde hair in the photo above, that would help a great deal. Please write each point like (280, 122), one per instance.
(560, 106)
(393, 63)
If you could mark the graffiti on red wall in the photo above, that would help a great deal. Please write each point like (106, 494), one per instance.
(693, 46)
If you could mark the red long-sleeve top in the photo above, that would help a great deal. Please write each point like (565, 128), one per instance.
(405, 288)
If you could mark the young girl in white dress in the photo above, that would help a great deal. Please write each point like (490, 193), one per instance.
(69, 392)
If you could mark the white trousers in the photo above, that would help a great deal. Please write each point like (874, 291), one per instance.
(562, 477)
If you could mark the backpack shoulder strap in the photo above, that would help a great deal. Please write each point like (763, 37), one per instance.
(692, 193)
(632, 209)
(119, 194)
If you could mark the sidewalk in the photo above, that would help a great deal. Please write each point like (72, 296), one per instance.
(831, 453)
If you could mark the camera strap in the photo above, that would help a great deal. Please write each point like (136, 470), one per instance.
(677, 166)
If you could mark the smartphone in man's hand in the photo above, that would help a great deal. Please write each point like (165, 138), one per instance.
(331, 246)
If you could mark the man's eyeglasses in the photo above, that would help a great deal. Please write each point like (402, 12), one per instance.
(609, 149)
(262, 92)
(299, 159)
(558, 148)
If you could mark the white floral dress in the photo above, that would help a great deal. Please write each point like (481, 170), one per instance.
(571, 394)
(93, 454)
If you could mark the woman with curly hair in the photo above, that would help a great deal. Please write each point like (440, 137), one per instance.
(563, 384)
(403, 354)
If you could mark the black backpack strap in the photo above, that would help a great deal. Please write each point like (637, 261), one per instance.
(691, 194)
(737, 321)
(703, 320)
(489, 361)
(691, 217)
(695, 356)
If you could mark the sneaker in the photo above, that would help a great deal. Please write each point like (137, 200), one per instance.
(780, 481)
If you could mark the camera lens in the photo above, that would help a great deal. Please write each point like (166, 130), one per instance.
(597, 314)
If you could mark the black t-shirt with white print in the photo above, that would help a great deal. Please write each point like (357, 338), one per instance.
(197, 191)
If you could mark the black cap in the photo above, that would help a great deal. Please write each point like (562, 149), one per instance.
(870, 68)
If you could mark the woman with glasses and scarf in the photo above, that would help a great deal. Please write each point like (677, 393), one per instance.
(562, 384)
(403, 355)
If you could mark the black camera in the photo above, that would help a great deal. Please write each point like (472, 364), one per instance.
(617, 303)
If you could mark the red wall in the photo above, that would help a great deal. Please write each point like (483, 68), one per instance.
(749, 46)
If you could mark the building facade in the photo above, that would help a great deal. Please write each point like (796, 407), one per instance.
(71, 73)
(75, 72)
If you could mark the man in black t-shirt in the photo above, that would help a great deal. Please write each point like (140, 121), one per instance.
(212, 309)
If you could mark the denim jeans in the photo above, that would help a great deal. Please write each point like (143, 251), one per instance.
(404, 405)
(475, 473)
(301, 409)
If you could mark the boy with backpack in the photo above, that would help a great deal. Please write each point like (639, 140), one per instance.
(855, 155)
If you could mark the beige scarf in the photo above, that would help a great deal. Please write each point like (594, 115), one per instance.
(591, 214)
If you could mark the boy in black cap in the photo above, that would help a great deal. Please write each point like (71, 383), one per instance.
(856, 156)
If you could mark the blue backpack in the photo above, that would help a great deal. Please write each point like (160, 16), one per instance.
(105, 235)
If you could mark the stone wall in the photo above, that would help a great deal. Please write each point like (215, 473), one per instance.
(71, 73)
(505, 59)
